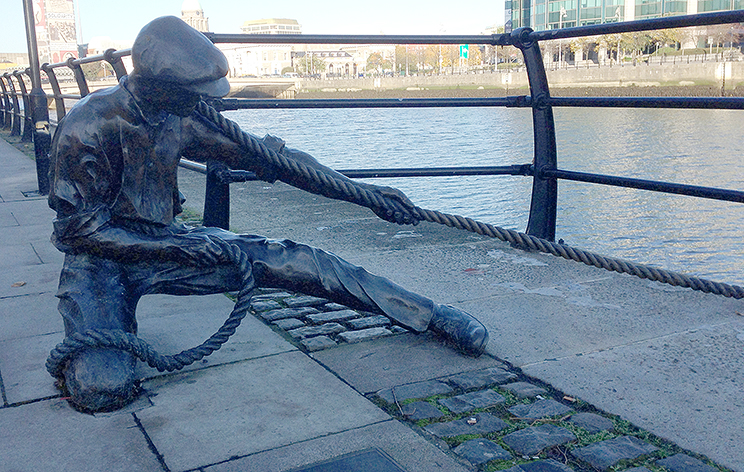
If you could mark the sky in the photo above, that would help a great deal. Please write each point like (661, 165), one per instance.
(121, 20)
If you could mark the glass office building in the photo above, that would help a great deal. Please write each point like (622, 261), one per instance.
(546, 14)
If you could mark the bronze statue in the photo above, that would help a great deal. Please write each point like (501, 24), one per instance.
(113, 185)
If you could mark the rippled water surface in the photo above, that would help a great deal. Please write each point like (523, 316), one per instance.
(700, 147)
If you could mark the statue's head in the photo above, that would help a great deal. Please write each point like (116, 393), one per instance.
(178, 60)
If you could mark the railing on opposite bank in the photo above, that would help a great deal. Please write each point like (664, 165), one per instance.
(543, 170)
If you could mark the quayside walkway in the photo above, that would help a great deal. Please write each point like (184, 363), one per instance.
(586, 369)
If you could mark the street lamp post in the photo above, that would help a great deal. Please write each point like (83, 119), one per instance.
(560, 41)
(38, 99)
(617, 14)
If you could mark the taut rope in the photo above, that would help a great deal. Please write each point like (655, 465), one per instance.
(370, 199)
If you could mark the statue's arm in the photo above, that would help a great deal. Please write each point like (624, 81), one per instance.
(207, 142)
(126, 245)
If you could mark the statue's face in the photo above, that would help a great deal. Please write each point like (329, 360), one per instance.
(165, 96)
(181, 102)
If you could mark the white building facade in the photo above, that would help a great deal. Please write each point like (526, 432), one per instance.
(193, 14)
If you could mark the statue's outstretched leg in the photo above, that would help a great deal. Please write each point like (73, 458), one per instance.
(305, 269)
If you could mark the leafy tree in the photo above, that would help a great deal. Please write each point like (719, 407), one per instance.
(376, 62)
(475, 55)
(311, 64)
(580, 46)
(97, 70)
(723, 34)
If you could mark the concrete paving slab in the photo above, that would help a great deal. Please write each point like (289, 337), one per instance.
(22, 366)
(48, 253)
(32, 212)
(685, 387)
(20, 174)
(545, 324)
(34, 234)
(208, 416)
(160, 306)
(470, 269)
(29, 315)
(397, 360)
(17, 255)
(49, 435)
(407, 448)
(7, 219)
(360, 461)
(194, 320)
(33, 279)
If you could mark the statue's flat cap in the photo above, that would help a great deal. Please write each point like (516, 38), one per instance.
(169, 50)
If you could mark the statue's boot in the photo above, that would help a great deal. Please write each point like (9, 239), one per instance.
(462, 329)
(101, 380)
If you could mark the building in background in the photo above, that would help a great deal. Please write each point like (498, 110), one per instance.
(11, 61)
(546, 14)
(193, 14)
(271, 26)
(247, 60)
(56, 35)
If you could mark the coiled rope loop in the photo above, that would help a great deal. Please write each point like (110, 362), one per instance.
(124, 341)
(373, 200)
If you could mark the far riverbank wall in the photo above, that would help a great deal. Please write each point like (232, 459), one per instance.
(728, 75)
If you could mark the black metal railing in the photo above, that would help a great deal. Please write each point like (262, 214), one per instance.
(544, 167)
(12, 115)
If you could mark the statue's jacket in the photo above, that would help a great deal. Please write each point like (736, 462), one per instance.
(111, 164)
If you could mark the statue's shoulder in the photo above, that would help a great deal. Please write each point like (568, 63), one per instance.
(103, 99)
(98, 107)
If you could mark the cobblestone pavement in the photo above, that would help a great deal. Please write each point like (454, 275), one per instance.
(492, 419)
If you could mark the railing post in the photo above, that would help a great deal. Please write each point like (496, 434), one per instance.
(116, 63)
(217, 197)
(4, 105)
(77, 69)
(28, 124)
(59, 102)
(15, 125)
(38, 100)
(544, 190)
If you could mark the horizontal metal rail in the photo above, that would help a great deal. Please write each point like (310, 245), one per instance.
(681, 21)
(719, 103)
(107, 56)
(526, 101)
(517, 169)
(249, 103)
(641, 184)
(494, 39)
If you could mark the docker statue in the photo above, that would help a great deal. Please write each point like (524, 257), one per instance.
(113, 185)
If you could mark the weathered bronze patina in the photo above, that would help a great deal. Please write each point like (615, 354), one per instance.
(113, 185)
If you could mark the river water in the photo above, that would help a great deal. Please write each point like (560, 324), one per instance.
(699, 147)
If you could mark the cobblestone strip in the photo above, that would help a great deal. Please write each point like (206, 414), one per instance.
(491, 419)
(497, 419)
(314, 324)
